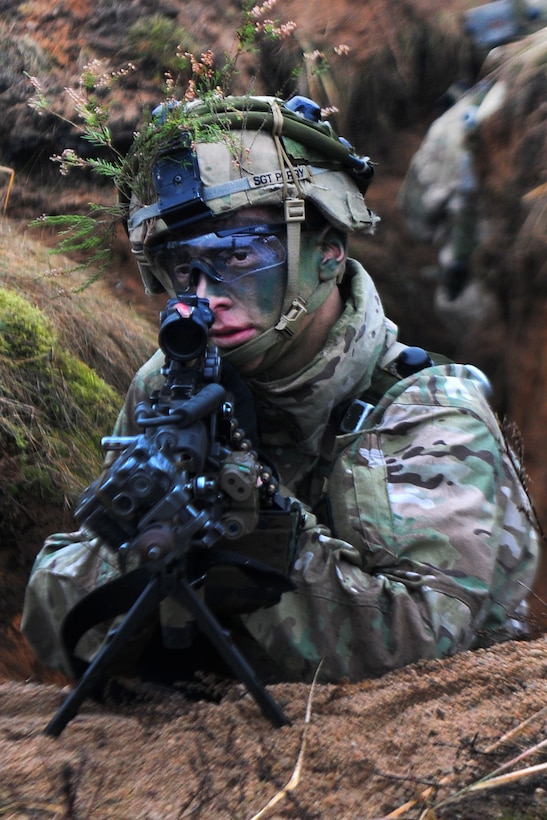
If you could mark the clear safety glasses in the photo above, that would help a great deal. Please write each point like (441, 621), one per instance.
(223, 256)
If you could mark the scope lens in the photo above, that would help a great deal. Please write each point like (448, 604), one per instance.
(183, 338)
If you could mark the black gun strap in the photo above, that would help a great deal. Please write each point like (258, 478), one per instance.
(257, 570)
(102, 604)
(116, 597)
(237, 583)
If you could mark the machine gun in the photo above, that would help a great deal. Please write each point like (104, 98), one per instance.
(171, 504)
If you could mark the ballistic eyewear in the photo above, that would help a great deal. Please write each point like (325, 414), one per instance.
(223, 256)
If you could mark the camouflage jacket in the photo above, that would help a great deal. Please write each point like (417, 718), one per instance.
(418, 540)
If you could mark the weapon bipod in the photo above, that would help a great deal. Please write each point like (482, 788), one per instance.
(160, 584)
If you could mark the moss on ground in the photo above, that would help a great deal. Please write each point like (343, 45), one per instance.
(54, 409)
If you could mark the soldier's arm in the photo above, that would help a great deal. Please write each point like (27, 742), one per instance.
(431, 547)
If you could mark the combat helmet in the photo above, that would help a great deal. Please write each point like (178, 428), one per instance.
(237, 152)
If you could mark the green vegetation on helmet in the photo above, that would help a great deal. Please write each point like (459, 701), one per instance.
(211, 158)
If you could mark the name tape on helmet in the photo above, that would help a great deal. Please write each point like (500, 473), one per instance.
(276, 177)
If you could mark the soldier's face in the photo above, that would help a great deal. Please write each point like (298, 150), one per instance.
(239, 265)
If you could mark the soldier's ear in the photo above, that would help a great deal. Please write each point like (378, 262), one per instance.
(333, 254)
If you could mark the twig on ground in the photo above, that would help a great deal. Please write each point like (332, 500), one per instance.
(295, 777)
(490, 781)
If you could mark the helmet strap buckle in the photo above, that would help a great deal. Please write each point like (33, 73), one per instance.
(288, 324)
(295, 210)
(295, 214)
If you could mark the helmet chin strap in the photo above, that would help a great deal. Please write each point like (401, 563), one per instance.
(300, 298)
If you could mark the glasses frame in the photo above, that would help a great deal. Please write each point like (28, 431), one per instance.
(264, 229)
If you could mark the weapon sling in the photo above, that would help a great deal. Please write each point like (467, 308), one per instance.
(138, 593)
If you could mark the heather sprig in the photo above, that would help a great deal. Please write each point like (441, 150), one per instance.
(202, 78)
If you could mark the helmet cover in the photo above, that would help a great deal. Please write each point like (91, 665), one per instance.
(243, 152)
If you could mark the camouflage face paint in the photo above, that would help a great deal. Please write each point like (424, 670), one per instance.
(222, 255)
(258, 294)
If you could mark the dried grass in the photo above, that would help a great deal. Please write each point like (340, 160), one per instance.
(66, 359)
(102, 331)
(493, 780)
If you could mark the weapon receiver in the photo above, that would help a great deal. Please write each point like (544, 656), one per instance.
(178, 505)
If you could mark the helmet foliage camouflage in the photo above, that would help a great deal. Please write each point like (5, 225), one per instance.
(210, 159)
(240, 152)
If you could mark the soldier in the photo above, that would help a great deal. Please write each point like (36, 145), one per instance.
(418, 539)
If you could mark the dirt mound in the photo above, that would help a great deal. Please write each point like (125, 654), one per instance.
(413, 738)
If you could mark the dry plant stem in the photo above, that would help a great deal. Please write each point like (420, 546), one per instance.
(527, 752)
(402, 810)
(295, 777)
(11, 172)
(516, 730)
(13, 809)
(493, 783)
(489, 781)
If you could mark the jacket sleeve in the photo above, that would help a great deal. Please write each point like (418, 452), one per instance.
(67, 568)
(431, 546)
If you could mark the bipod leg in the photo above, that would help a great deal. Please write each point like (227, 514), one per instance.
(96, 671)
(222, 641)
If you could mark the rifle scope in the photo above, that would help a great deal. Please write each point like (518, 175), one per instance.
(184, 327)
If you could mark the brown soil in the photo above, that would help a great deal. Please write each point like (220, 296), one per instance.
(411, 739)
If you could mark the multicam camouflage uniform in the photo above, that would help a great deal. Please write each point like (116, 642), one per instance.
(417, 542)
